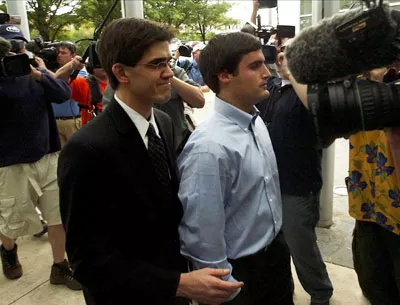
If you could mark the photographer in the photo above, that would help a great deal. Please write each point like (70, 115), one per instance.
(67, 114)
(28, 164)
(191, 66)
(374, 202)
(299, 162)
(87, 91)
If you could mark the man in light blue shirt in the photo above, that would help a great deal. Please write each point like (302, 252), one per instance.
(229, 183)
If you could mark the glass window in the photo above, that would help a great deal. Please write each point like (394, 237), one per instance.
(306, 7)
(306, 14)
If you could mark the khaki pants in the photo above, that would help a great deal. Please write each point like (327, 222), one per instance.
(23, 187)
(66, 128)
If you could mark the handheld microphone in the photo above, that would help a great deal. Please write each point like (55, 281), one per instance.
(345, 44)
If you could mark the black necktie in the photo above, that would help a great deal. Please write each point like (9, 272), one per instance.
(157, 154)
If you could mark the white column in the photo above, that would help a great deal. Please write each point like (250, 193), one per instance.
(132, 8)
(18, 7)
(320, 10)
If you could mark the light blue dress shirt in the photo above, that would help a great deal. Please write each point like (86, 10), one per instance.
(229, 188)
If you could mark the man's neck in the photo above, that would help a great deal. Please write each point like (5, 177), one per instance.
(236, 101)
(143, 108)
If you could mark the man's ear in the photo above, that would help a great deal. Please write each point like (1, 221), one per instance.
(279, 58)
(119, 72)
(224, 77)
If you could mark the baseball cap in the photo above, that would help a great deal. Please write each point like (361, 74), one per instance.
(200, 46)
(9, 31)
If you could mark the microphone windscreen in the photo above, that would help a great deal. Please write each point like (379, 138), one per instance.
(317, 55)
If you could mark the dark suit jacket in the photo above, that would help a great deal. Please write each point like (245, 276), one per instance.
(121, 227)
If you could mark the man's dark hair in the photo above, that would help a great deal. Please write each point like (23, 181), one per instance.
(126, 40)
(224, 53)
(67, 45)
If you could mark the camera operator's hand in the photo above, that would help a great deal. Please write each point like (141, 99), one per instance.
(36, 74)
(40, 63)
(65, 71)
(77, 64)
(177, 54)
(256, 6)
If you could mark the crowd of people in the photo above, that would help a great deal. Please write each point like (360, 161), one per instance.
(208, 214)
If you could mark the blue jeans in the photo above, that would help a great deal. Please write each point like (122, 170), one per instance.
(300, 217)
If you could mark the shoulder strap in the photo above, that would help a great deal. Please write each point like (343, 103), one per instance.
(95, 92)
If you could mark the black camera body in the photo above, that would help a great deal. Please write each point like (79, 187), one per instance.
(185, 50)
(47, 51)
(15, 65)
(264, 33)
(268, 3)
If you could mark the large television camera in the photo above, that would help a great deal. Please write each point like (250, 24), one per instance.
(360, 41)
(47, 51)
(15, 65)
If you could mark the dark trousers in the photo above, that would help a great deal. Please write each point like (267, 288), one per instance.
(376, 256)
(90, 301)
(266, 275)
(300, 217)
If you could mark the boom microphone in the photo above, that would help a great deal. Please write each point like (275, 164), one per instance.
(345, 44)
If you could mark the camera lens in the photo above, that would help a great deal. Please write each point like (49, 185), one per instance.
(340, 109)
(185, 51)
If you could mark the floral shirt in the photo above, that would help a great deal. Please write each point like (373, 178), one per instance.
(373, 192)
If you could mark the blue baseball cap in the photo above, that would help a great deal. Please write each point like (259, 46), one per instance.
(9, 31)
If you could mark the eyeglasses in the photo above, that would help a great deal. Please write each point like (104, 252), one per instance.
(162, 65)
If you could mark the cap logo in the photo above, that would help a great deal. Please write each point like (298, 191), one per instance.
(13, 29)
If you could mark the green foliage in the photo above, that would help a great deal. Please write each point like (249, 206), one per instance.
(94, 11)
(76, 19)
(3, 6)
(50, 17)
(193, 20)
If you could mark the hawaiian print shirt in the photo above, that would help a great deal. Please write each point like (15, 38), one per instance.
(373, 192)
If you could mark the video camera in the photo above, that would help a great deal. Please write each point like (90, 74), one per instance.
(346, 106)
(47, 51)
(15, 65)
(264, 33)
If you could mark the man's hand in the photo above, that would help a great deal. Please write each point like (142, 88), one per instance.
(205, 286)
(76, 63)
(256, 5)
(40, 63)
(36, 74)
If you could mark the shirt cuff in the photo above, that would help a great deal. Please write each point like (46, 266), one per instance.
(223, 264)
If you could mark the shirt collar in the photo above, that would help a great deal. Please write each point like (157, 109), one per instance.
(243, 119)
(141, 123)
(285, 82)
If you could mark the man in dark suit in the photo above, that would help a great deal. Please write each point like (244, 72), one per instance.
(122, 239)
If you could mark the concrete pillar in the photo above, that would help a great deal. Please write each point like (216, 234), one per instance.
(132, 8)
(320, 10)
(18, 7)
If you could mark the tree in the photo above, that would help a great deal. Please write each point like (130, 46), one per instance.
(3, 6)
(198, 17)
(49, 17)
(209, 17)
(95, 11)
